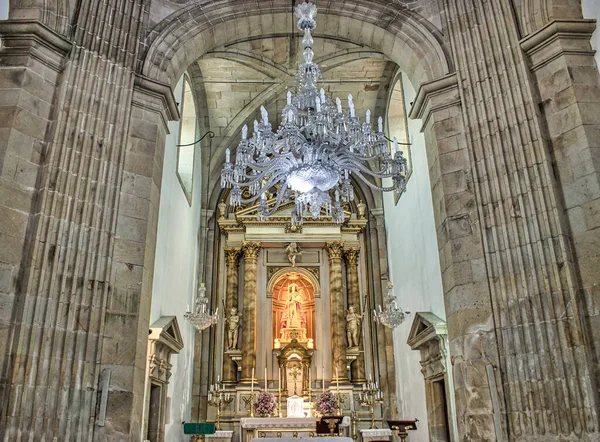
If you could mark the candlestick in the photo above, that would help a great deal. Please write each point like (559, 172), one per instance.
(279, 390)
(252, 394)
(337, 388)
(370, 397)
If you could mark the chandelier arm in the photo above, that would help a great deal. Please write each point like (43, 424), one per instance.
(268, 185)
(280, 195)
(375, 186)
(376, 174)
(264, 171)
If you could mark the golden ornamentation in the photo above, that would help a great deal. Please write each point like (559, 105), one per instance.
(251, 249)
(334, 249)
(351, 255)
(232, 255)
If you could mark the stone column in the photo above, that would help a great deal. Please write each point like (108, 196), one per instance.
(251, 250)
(338, 322)
(351, 257)
(232, 256)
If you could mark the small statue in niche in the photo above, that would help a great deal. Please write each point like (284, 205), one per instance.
(233, 325)
(293, 251)
(353, 322)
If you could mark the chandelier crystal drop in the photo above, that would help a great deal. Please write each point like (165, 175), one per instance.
(391, 315)
(314, 152)
(201, 317)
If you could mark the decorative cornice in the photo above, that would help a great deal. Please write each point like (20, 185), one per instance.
(34, 38)
(430, 89)
(558, 38)
(162, 92)
(577, 28)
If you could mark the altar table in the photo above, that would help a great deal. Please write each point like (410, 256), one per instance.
(304, 439)
(265, 428)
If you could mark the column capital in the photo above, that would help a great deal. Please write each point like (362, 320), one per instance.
(351, 255)
(334, 249)
(251, 249)
(232, 255)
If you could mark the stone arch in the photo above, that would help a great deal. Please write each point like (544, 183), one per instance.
(535, 14)
(402, 35)
(282, 272)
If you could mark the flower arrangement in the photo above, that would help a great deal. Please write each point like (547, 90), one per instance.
(326, 403)
(265, 405)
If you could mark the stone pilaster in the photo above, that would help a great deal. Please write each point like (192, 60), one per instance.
(564, 69)
(232, 256)
(251, 250)
(86, 273)
(338, 321)
(32, 59)
(351, 257)
(469, 312)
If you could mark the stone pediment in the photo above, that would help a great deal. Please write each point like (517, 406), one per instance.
(425, 326)
(166, 331)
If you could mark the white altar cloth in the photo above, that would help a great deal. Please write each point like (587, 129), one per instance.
(369, 434)
(278, 422)
(295, 427)
(304, 439)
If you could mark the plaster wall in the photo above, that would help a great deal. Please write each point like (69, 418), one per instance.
(175, 272)
(414, 270)
(591, 9)
(3, 9)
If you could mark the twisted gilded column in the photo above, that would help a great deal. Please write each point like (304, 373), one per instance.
(338, 321)
(232, 256)
(251, 250)
(351, 257)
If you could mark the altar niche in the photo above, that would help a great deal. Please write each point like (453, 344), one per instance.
(293, 310)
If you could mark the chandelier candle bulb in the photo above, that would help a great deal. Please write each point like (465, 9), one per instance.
(338, 102)
(368, 117)
(244, 132)
(227, 155)
(380, 125)
(318, 104)
(289, 98)
(396, 147)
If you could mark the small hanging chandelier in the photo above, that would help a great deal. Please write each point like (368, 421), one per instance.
(201, 317)
(316, 149)
(391, 316)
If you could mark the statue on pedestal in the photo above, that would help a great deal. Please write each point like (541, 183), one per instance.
(292, 311)
(293, 251)
(353, 321)
(233, 325)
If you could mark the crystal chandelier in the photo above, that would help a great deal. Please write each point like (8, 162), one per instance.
(391, 316)
(201, 317)
(316, 149)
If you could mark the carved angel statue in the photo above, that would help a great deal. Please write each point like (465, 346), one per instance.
(293, 251)
(233, 325)
(353, 322)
